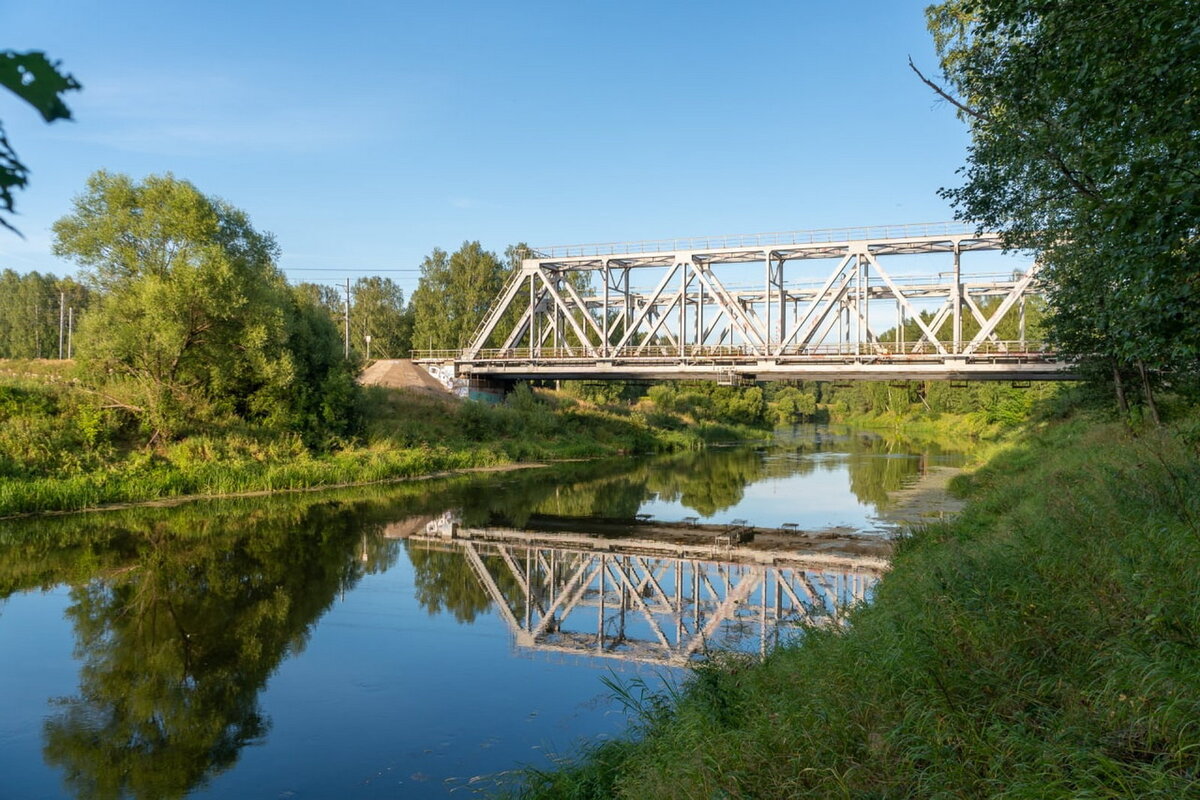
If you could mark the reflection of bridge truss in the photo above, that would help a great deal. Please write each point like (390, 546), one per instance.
(652, 601)
(674, 309)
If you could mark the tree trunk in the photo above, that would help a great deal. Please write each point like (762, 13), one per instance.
(1148, 392)
(1119, 388)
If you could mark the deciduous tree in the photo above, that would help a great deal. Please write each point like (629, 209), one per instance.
(378, 311)
(194, 322)
(454, 293)
(1084, 148)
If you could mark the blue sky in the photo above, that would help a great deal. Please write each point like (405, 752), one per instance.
(364, 134)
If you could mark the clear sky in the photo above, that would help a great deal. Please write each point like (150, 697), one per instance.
(365, 133)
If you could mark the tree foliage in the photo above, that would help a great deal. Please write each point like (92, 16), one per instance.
(378, 311)
(456, 290)
(193, 321)
(454, 293)
(1084, 123)
(36, 80)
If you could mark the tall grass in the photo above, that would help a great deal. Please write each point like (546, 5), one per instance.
(1044, 644)
(61, 449)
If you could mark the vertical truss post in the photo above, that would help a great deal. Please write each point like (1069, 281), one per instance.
(683, 282)
(1021, 324)
(605, 350)
(858, 293)
(762, 615)
(534, 343)
(956, 292)
(559, 334)
(767, 262)
(600, 624)
(528, 588)
(866, 300)
(782, 300)
(628, 313)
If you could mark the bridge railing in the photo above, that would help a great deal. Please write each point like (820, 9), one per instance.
(776, 239)
(1032, 349)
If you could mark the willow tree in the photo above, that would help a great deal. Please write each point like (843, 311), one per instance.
(1084, 123)
(193, 322)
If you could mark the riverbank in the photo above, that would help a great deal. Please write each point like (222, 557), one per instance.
(61, 450)
(1046, 642)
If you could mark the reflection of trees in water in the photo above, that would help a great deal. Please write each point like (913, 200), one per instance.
(446, 582)
(180, 617)
(712, 480)
(880, 464)
(708, 481)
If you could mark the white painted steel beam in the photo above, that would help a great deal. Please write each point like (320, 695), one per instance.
(738, 322)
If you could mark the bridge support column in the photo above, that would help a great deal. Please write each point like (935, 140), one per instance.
(489, 390)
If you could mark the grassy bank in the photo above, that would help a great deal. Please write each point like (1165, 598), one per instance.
(63, 448)
(1045, 643)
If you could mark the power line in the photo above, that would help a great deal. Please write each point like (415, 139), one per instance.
(346, 269)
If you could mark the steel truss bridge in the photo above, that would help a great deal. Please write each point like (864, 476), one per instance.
(652, 600)
(801, 305)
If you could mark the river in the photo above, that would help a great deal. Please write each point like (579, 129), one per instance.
(411, 639)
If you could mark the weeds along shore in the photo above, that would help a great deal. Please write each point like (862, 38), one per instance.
(1045, 643)
(61, 450)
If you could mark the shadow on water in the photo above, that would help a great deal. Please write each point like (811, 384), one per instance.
(181, 615)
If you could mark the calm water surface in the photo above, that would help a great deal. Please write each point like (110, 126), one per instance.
(401, 641)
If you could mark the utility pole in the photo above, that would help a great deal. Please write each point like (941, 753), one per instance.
(70, 328)
(62, 318)
(347, 319)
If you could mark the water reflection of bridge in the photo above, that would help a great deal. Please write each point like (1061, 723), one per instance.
(667, 595)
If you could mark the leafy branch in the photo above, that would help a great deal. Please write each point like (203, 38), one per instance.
(36, 80)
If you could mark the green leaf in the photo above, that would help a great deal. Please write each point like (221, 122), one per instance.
(37, 80)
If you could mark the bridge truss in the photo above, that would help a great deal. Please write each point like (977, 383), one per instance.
(769, 306)
(650, 601)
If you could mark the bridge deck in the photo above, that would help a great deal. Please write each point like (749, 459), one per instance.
(1016, 363)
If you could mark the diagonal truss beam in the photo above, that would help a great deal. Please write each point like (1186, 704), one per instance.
(489, 323)
(645, 309)
(820, 297)
(1009, 301)
(566, 312)
(738, 318)
(903, 300)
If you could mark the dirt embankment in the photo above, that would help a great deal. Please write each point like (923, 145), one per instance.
(402, 373)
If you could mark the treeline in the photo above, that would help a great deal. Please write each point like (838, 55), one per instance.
(454, 291)
(34, 309)
(452, 295)
(975, 408)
